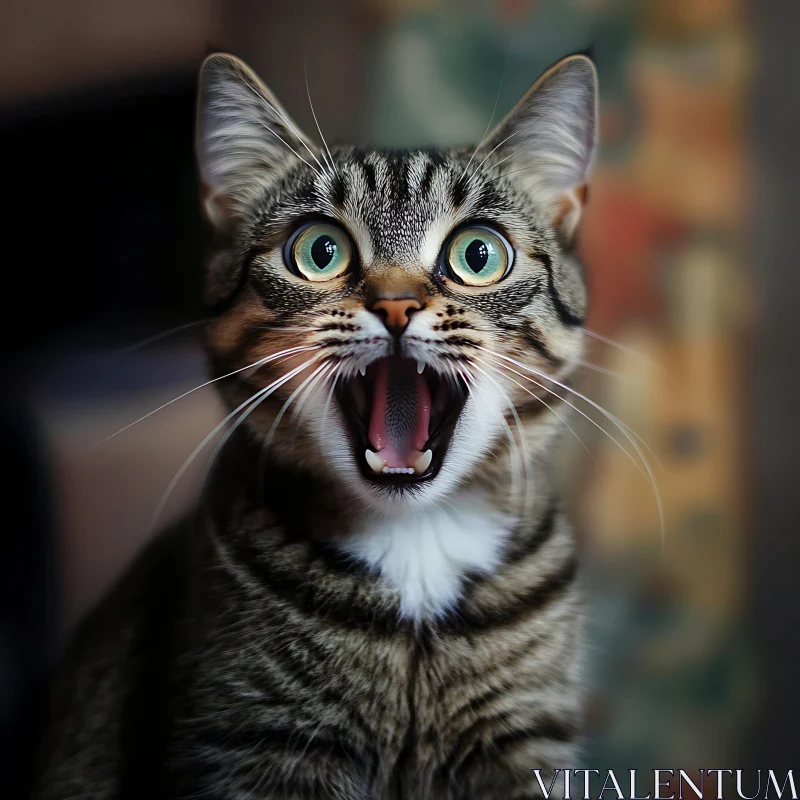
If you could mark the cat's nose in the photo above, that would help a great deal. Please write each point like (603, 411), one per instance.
(396, 314)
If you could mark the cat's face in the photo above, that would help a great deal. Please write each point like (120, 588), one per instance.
(399, 308)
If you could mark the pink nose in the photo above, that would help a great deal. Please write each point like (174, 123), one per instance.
(396, 314)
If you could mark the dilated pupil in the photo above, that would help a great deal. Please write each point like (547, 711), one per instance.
(322, 251)
(476, 255)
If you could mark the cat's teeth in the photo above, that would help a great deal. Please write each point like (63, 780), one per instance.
(420, 367)
(376, 463)
(363, 371)
(423, 462)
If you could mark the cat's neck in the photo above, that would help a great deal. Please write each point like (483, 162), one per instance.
(425, 554)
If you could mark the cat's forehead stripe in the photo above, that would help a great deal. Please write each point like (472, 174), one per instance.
(402, 204)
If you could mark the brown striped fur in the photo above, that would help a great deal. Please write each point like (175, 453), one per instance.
(251, 652)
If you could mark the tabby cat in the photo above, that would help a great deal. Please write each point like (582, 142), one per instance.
(376, 597)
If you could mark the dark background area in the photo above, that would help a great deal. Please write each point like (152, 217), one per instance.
(104, 211)
(775, 598)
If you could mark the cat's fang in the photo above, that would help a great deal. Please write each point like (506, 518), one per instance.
(420, 367)
(363, 370)
(376, 463)
(423, 462)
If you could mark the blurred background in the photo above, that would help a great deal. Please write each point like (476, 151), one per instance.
(689, 246)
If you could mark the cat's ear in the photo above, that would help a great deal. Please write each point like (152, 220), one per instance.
(549, 139)
(242, 134)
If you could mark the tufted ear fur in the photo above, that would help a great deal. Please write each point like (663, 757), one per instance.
(549, 139)
(242, 134)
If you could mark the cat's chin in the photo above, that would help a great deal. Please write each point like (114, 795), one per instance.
(400, 418)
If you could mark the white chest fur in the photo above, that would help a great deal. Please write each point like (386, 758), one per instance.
(426, 553)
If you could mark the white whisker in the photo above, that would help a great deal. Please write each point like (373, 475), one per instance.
(617, 346)
(610, 373)
(499, 144)
(254, 365)
(491, 120)
(254, 403)
(289, 330)
(260, 395)
(469, 379)
(314, 114)
(262, 459)
(613, 419)
(543, 402)
(279, 416)
(326, 409)
(132, 348)
(312, 387)
(515, 171)
(574, 407)
(310, 166)
(298, 136)
(524, 455)
(510, 155)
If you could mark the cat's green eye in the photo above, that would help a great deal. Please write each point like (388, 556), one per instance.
(319, 252)
(477, 256)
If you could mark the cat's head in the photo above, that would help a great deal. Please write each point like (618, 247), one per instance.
(390, 316)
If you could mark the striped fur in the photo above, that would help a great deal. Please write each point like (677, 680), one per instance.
(310, 633)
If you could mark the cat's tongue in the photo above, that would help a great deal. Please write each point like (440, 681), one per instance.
(401, 412)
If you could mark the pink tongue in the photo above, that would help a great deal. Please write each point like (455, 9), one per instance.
(401, 412)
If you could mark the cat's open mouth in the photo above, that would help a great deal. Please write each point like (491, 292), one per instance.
(401, 419)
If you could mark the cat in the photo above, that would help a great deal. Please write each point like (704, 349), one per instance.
(378, 594)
